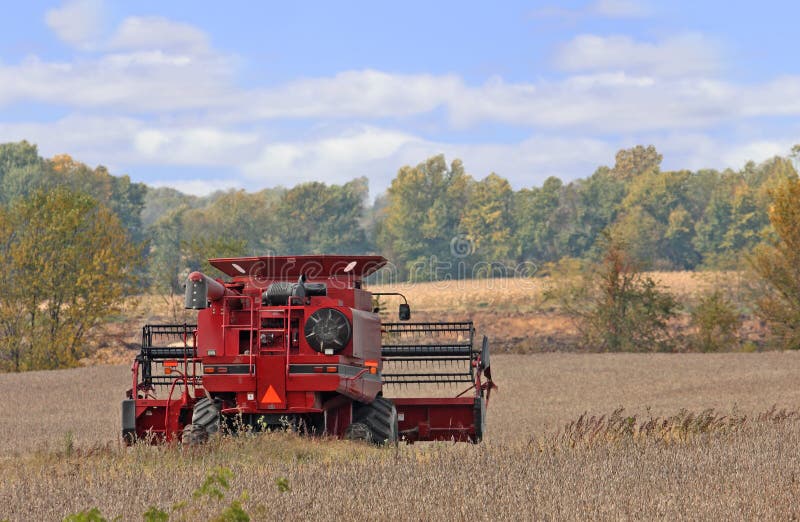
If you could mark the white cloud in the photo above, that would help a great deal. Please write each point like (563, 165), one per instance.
(620, 8)
(91, 139)
(77, 22)
(145, 81)
(157, 93)
(364, 151)
(677, 56)
(603, 103)
(199, 146)
(757, 151)
(531, 161)
(378, 154)
(365, 93)
(614, 9)
(152, 32)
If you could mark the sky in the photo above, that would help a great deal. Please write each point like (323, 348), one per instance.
(203, 96)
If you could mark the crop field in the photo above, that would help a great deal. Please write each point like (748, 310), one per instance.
(555, 450)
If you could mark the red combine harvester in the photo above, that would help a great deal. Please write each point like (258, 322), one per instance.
(295, 342)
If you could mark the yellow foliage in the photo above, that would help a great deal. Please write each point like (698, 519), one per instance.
(67, 264)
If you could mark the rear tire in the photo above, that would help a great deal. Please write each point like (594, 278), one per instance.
(378, 419)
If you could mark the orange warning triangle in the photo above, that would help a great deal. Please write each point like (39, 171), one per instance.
(271, 396)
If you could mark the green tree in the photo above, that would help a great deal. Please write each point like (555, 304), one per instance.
(68, 262)
(166, 260)
(315, 218)
(21, 170)
(488, 220)
(641, 234)
(422, 216)
(534, 221)
(124, 198)
(586, 208)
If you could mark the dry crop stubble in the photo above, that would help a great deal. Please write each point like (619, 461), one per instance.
(523, 470)
(745, 474)
(536, 393)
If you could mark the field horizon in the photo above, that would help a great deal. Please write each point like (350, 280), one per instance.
(512, 312)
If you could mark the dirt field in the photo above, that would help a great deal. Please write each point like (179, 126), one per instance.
(525, 469)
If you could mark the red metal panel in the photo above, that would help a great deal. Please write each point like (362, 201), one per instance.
(209, 330)
(158, 419)
(338, 417)
(271, 382)
(229, 383)
(424, 419)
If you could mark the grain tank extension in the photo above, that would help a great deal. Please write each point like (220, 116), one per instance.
(295, 342)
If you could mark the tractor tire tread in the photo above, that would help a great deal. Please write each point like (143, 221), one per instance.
(380, 417)
(193, 435)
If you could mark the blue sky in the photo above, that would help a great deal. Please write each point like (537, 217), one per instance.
(210, 95)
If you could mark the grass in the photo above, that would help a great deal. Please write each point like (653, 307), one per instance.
(743, 473)
(698, 438)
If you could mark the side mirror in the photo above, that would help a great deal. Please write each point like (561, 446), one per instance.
(405, 312)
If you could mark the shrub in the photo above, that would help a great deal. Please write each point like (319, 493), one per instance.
(716, 323)
(616, 307)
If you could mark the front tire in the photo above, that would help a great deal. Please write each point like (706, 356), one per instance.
(206, 415)
(376, 422)
(193, 435)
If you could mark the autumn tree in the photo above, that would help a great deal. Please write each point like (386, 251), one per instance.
(67, 264)
(638, 160)
(778, 264)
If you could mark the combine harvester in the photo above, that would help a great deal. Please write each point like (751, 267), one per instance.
(294, 342)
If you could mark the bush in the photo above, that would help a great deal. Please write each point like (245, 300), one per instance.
(716, 323)
(615, 306)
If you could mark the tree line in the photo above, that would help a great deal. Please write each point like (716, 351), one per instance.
(75, 240)
(435, 219)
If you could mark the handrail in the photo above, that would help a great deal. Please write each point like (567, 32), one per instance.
(226, 324)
